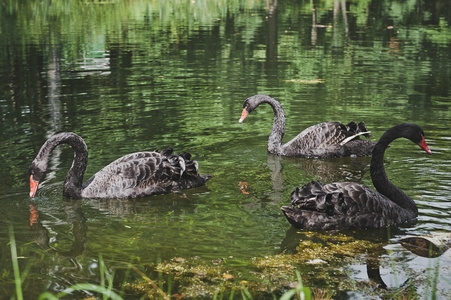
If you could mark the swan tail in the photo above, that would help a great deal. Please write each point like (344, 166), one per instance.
(181, 164)
(192, 167)
(312, 197)
(358, 129)
(194, 178)
(362, 128)
(355, 130)
(180, 171)
(350, 138)
(167, 152)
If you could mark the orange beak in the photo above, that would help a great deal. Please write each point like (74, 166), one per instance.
(243, 115)
(33, 186)
(425, 146)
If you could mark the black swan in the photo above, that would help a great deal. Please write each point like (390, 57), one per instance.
(350, 205)
(134, 175)
(328, 139)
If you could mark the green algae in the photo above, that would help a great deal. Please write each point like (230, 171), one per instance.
(320, 258)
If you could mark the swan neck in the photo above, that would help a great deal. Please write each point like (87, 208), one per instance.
(278, 127)
(380, 180)
(74, 178)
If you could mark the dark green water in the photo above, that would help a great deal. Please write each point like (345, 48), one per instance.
(140, 75)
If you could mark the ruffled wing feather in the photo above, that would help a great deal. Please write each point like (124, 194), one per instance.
(330, 139)
(342, 205)
(144, 174)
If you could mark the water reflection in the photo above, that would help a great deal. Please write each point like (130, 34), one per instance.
(341, 169)
(60, 268)
(54, 91)
(366, 264)
(178, 203)
(272, 43)
(54, 107)
(427, 246)
(388, 267)
(341, 27)
(285, 173)
(40, 232)
(149, 74)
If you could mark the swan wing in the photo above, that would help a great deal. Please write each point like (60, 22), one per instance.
(330, 139)
(341, 205)
(332, 199)
(325, 134)
(138, 174)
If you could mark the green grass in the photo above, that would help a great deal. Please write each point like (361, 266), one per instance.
(299, 292)
(106, 291)
(17, 278)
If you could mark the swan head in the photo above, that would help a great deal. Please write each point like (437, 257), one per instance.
(416, 135)
(35, 174)
(251, 103)
(412, 132)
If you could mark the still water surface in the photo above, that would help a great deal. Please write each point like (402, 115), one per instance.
(147, 74)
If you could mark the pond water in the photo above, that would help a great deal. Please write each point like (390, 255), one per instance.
(143, 75)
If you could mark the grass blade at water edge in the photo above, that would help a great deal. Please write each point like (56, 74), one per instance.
(17, 278)
(106, 292)
(299, 291)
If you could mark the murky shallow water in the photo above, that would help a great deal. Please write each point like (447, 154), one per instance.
(136, 81)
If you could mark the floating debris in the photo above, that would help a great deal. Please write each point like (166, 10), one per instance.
(306, 81)
(428, 246)
(243, 186)
(316, 261)
(227, 276)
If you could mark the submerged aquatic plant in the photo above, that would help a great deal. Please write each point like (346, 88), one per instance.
(317, 263)
(106, 291)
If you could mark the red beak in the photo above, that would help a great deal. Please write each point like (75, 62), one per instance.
(424, 146)
(33, 186)
(243, 115)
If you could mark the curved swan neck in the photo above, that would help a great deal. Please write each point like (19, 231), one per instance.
(74, 178)
(278, 127)
(379, 177)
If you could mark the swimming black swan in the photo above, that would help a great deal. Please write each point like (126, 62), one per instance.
(347, 205)
(328, 139)
(134, 175)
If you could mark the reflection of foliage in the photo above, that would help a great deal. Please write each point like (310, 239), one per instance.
(139, 75)
(441, 34)
(85, 20)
